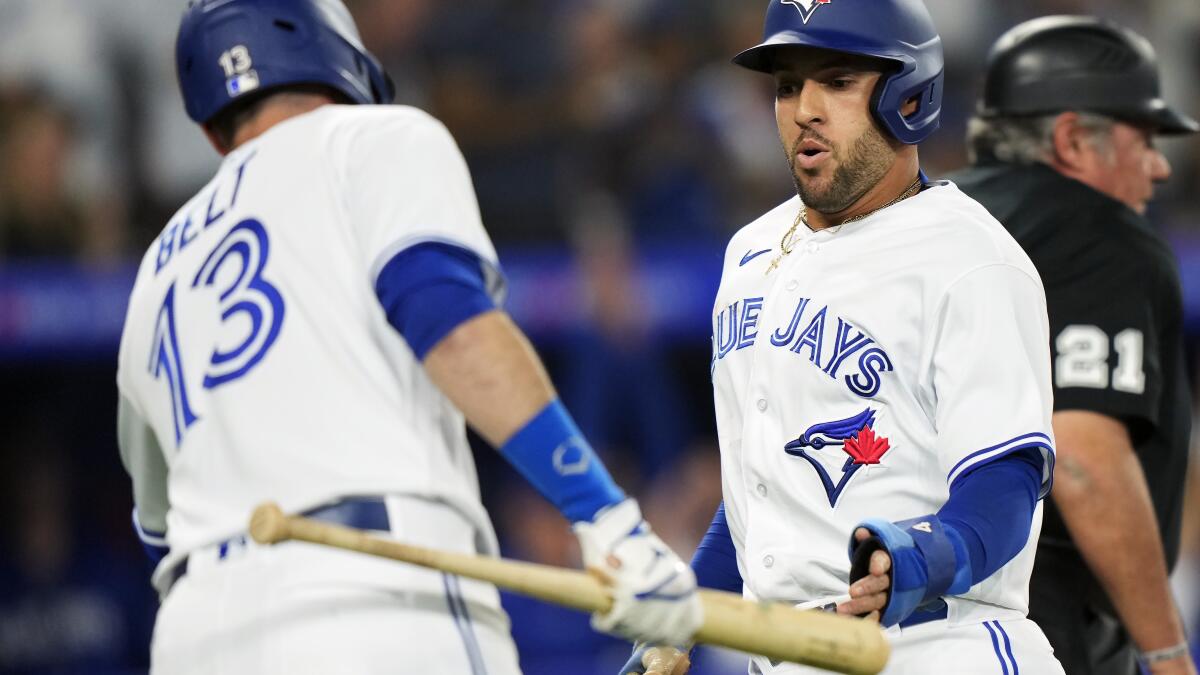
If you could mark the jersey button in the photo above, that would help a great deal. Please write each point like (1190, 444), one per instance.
(762, 404)
(793, 285)
(761, 489)
(768, 561)
(813, 247)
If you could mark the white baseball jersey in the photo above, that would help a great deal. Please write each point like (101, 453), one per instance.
(879, 362)
(256, 360)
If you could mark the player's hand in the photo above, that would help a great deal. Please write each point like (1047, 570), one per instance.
(647, 660)
(654, 592)
(868, 595)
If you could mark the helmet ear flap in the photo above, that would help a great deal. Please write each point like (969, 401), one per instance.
(894, 91)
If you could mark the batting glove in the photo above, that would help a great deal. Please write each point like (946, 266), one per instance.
(653, 591)
(925, 563)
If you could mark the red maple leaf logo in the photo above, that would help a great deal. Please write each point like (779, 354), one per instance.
(824, 2)
(866, 448)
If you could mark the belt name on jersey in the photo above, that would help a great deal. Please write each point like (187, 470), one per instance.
(825, 346)
(187, 226)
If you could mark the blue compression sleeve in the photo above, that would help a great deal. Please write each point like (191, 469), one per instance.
(981, 527)
(552, 454)
(430, 289)
(991, 508)
(715, 560)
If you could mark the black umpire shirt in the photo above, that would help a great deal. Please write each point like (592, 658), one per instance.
(1116, 333)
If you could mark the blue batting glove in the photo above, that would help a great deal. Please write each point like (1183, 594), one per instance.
(925, 563)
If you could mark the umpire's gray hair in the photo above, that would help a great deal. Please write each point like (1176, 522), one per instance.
(1027, 140)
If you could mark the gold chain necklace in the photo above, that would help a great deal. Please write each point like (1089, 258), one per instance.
(788, 243)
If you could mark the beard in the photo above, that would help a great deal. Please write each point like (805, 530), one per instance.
(864, 165)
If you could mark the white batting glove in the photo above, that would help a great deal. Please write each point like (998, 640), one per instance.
(654, 592)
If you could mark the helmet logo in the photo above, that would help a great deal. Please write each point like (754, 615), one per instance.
(806, 7)
(240, 76)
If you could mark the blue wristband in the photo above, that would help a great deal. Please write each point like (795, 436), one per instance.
(945, 556)
(926, 562)
(551, 453)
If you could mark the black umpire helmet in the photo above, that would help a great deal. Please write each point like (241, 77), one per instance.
(1060, 63)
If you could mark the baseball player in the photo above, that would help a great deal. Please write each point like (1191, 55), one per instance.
(880, 365)
(1065, 158)
(313, 327)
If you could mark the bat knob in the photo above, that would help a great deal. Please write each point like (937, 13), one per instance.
(268, 525)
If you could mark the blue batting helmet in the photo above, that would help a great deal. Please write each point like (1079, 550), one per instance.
(900, 31)
(228, 49)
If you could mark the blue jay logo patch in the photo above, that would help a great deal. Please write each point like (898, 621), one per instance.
(806, 7)
(857, 438)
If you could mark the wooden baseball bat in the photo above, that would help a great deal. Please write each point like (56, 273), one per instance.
(776, 631)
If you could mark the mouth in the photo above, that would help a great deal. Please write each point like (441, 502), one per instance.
(810, 154)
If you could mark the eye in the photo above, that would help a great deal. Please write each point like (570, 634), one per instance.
(840, 82)
(786, 89)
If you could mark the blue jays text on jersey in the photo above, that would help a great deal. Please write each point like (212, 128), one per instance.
(827, 341)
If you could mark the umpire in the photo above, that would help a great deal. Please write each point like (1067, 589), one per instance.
(1063, 155)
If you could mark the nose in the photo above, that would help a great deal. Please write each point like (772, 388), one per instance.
(810, 107)
(1160, 167)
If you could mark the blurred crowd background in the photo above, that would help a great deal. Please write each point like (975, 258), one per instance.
(614, 150)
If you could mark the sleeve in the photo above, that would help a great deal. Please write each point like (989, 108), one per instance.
(991, 510)
(428, 290)
(147, 467)
(1105, 338)
(715, 559)
(991, 371)
(408, 184)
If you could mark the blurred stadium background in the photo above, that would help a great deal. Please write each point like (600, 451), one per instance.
(614, 150)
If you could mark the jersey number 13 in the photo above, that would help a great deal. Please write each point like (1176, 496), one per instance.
(235, 268)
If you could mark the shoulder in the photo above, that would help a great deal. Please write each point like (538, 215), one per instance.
(360, 125)
(953, 234)
(1113, 265)
(344, 134)
(1086, 245)
(1129, 237)
(1067, 227)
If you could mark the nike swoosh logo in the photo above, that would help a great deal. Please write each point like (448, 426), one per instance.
(751, 256)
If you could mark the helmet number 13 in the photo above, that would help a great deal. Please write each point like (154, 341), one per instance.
(235, 61)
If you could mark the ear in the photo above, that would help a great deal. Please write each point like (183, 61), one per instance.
(910, 106)
(215, 141)
(1070, 144)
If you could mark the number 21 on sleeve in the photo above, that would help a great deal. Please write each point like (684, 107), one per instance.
(1082, 359)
